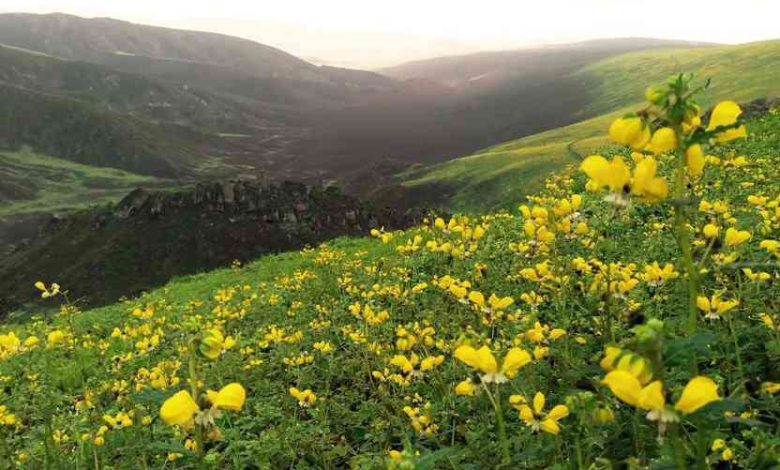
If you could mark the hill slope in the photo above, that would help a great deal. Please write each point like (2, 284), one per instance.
(150, 237)
(502, 174)
(251, 109)
(372, 329)
(101, 40)
(509, 94)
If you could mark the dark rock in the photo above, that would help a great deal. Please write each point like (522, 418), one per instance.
(151, 236)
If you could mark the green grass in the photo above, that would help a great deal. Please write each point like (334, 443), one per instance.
(99, 366)
(32, 182)
(502, 174)
(741, 73)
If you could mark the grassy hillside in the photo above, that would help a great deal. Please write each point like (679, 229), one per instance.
(742, 72)
(32, 182)
(372, 327)
(500, 175)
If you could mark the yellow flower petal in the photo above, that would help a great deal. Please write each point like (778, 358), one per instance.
(465, 388)
(699, 392)
(736, 237)
(477, 298)
(663, 140)
(695, 160)
(624, 386)
(467, 355)
(630, 131)
(179, 409)
(515, 359)
(652, 396)
(549, 426)
(486, 360)
(611, 354)
(230, 397)
(646, 184)
(726, 113)
(539, 403)
(558, 412)
(526, 414)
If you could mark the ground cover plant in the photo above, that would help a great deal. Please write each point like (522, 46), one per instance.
(626, 316)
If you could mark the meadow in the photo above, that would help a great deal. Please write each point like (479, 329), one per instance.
(34, 182)
(624, 316)
(498, 176)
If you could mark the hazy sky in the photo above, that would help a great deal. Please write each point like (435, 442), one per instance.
(373, 33)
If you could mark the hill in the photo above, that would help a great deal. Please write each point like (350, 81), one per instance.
(390, 352)
(510, 94)
(499, 175)
(106, 41)
(188, 104)
(149, 237)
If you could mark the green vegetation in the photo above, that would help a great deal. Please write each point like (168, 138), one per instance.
(32, 182)
(380, 332)
(744, 72)
(501, 175)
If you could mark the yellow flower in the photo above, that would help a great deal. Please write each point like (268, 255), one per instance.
(630, 131)
(726, 113)
(31, 341)
(717, 445)
(179, 409)
(627, 361)
(646, 184)
(535, 417)
(483, 360)
(655, 94)
(614, 174)
(465, 387)
(756, 276)
(55, 337)
(603, 415)
(477, 298)
(714, 307)
(430, 362)
(711, 231)
(770, 387)
(230, 397)
(663, 140)
(305, 398)
(692, 119)
(212, 344)
(694, 159)
(699, 392)
(6, 418)
(736, 237)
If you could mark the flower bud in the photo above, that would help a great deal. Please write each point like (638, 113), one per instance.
(211, 344)
(655, 94)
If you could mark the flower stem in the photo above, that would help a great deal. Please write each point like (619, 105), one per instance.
(193, 373)
(737, 353)
(501, 425)
(681, 232)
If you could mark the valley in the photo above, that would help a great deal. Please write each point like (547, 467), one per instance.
(564, 254)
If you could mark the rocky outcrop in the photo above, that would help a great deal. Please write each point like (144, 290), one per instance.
(152, 236)
(759, 107)
(292, 203)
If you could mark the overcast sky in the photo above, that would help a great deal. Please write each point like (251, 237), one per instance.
(372, 33)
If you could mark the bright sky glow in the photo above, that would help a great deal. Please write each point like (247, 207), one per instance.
(358, 32)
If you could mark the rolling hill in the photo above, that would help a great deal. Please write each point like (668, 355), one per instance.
(185, 105)
(502, 174)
